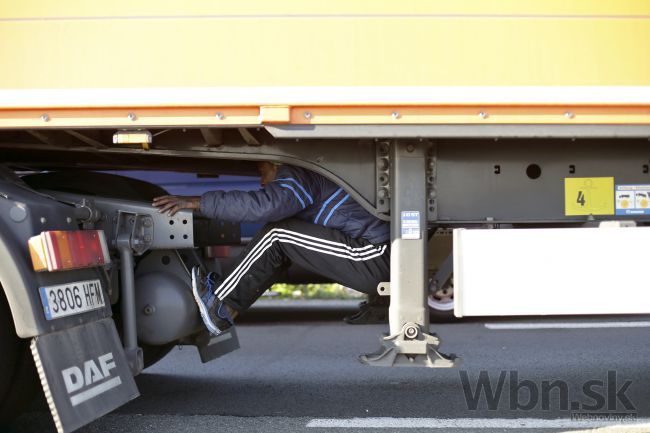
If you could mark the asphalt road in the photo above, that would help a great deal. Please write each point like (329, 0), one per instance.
(302, 375)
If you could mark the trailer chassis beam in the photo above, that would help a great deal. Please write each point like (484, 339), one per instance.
(409, 342)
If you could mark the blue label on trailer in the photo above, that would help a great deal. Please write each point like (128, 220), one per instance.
(632, 199)
(411, 224)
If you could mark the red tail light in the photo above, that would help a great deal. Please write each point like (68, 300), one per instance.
(64, 250)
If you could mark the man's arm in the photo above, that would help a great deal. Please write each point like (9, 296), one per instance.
(277, 201)
(282, 198)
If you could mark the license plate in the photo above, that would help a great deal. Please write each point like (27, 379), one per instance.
(71, 298)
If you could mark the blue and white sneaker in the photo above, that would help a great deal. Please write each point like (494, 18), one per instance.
(214, 313)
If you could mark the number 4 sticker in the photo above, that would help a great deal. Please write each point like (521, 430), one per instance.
(589, 196)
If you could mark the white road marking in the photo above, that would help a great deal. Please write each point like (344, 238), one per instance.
(567, 325)
(642, 424)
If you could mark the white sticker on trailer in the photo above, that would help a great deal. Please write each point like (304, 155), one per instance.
(410, 220)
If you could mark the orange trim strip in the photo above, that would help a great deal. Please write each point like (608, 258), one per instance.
(306, 115)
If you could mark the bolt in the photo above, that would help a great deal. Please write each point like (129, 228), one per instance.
(307, 115)
(147, 222)
(68, 220)
(148, 310)
(483, 115)
(43, 220)
(382, 193)
(395, 114)
(411, 332)
(410, 148)
(132, 116)
(569, 115)
(220, 115)
(45, 118)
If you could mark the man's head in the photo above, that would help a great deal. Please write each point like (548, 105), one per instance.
(268, 171)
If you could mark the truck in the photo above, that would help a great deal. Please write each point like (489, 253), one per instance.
(493, 136)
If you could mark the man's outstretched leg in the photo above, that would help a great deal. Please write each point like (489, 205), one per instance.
(354, 263)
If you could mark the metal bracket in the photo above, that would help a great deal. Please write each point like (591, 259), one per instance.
(382, 173)
(383, 288)
(134, 235)
(134, 230)
(443, 276)
(431, 172)
(410, 348)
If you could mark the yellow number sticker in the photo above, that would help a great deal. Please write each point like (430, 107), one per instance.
(589, 196)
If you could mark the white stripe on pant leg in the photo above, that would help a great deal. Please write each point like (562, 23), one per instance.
(274, 230)
(269, 238)
(223, 290)
(287, 239)
(236, 282)
(262, 243)
(326, 241)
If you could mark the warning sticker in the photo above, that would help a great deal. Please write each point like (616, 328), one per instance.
(632, 199)
(588, 196)
(410, 224)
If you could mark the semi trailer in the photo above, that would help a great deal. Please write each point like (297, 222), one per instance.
(498, 138)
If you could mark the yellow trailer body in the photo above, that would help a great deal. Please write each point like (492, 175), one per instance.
(254, 62)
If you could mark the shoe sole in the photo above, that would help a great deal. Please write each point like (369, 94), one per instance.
(205, 315)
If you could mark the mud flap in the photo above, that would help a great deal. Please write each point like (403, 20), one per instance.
(84, 373)
(214, 346)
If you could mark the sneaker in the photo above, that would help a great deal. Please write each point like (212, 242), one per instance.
(214, 313)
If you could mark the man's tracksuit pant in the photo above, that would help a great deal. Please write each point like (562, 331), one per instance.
(354, 263)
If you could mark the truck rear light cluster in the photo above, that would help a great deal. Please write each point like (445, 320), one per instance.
(64, 250)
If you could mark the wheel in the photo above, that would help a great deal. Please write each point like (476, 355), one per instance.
(18, 379)
(441, 305)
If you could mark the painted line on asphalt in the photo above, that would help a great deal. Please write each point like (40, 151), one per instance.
(567, 325)
(642, 424)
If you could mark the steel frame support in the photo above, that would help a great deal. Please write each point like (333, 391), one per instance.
(125, 245)
(409, 342)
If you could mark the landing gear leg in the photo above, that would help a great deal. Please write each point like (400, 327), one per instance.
(409, 342)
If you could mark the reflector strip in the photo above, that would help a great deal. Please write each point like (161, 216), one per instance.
(64, 250)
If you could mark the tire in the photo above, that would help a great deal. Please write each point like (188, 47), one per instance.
(18, 379)
(441, 308)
